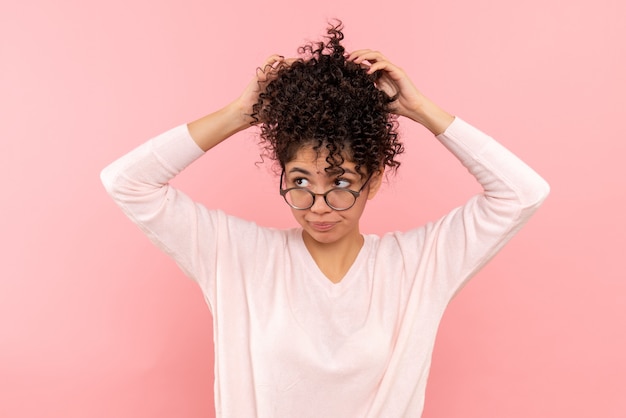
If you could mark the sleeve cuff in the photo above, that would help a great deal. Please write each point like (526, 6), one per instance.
(177, 148)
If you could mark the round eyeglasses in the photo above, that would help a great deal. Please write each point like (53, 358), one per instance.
(337, 199)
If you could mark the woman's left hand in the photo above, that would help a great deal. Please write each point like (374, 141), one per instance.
(410, 102)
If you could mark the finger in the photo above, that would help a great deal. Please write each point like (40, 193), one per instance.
(290, 61)
(366, 55)
(273, 62)
(359, 52)
(379, 65)
(264, 71)
(272, 59)
(392, 70)
(354, 54)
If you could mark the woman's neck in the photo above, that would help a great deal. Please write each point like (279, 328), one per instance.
(334, 259)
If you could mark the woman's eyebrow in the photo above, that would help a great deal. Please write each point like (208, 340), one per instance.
(300, 170)
(308, 173)
(347, 170)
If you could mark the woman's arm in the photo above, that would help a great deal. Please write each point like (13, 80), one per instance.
(212, 129)
(138, 182)
(461, 242)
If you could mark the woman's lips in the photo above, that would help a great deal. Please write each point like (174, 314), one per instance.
(322, 226)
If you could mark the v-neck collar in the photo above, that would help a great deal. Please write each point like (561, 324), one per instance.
(316, 273)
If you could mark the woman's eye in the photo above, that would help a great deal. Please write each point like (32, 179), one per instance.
(300, 182)
(342, 183)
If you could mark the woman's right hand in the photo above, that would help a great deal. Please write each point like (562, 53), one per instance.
(250, 96)
(212, 129)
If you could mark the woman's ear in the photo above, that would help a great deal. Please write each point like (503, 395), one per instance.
(375, 182)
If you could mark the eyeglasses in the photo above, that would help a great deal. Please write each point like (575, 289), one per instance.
(337, 199)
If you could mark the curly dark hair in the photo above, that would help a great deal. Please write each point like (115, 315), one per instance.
(329, 103)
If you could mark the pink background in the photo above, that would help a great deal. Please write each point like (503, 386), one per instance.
(95, 322)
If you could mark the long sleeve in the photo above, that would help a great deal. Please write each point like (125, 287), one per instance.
(437, 259)
(468, 237)
(139, 183)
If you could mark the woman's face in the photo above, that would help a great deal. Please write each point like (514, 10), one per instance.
(321, 223)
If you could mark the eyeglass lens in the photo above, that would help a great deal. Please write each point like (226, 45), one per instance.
(304, 199)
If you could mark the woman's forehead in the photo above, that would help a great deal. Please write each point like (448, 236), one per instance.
(310, 160)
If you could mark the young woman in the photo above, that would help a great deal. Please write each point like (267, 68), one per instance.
(321, 320)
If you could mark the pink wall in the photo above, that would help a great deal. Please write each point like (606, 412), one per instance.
(95, 322)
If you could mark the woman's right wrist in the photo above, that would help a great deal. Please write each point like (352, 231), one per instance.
(239, 115)
(214, 128)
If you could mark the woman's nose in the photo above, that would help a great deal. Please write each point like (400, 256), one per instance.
(320, 205)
